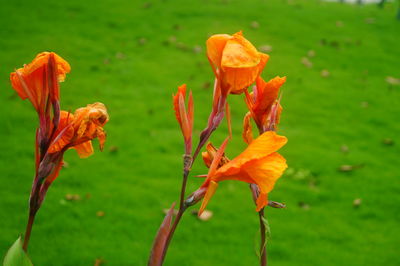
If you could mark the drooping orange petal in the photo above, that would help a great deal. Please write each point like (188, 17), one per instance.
(85, 149)
(266, 171)
(262, 146)
(261, 201)
(64, 133)
(247, 130)
(212, 187)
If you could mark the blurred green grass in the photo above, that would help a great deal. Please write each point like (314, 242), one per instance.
(121, 54)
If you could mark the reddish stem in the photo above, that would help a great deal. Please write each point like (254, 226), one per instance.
(28, 231)
(172, 231)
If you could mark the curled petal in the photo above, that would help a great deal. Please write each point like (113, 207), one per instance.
(247, 131)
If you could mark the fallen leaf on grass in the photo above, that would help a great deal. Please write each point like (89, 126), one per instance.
(254, 24)
(388, 142)
(265, 48)
(99, 262)
(306, 62)
(311, 53)
(370, 20)
(100, 214)
(349, 168)
(205, 216)
(304, 206)
(72, 197)
(325, 73)
(357, 203)
(113, 149)
(344, 148)
(197, 49)
(206, 85)
(174, 212)
(392, 81)
(142, 41)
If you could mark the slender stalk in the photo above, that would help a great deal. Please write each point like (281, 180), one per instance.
(28, 231)
(172, 231)
(263, 246)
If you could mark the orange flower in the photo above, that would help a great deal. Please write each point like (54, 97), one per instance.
(235, 61)
(78, 129)
(185, 118)
(259, 164)
(263, 105)
(34, 80)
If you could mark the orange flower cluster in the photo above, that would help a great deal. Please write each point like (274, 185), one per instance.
(58, 130)
(237, 65)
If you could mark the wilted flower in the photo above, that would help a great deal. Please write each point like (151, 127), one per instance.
(58, 130)
(32, 81)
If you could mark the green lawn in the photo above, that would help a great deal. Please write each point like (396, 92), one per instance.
(123, 53)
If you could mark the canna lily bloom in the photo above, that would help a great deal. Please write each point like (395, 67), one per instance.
(32, 80)
(259, 164)
(264, 106)
(184, 118)
(235, 61)
(77, 130)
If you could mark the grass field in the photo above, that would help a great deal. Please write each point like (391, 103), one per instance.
(132, 55)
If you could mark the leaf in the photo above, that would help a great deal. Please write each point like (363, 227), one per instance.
(16, 256)
(267, 237)
(161, 238)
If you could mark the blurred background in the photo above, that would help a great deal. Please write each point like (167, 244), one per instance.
(341, 115)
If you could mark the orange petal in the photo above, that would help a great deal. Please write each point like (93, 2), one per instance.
(212, 187)
(247, 131)
(266, 171)
(262, 201)
(175, 101)
(239, 53)
(64, 133)
(183, 117)
(30, 80)
(215, 46)
(217, 159)
(85, 149)
(267, 93)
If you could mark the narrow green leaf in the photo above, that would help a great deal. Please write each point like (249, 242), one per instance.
(16, 256)
(267, 237)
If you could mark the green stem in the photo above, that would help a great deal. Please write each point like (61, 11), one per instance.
(263, 246)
